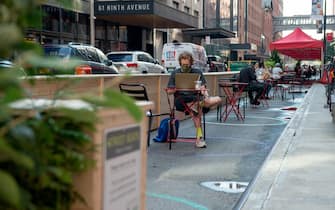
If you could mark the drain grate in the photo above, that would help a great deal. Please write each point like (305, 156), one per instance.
(226, 186)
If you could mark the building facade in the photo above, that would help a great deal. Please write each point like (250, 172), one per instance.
(255, 26)
(119, 25)
(250, 20)
(146, 25)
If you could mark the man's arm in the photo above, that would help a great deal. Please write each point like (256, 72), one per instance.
(252, 74)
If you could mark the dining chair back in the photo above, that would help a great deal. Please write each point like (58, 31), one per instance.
(138, 92)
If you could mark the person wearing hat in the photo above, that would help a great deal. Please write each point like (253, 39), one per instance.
(277, 72)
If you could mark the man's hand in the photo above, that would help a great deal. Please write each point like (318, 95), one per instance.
(204, 91)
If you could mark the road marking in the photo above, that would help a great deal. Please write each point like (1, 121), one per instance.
(179, 200)
(279, 122)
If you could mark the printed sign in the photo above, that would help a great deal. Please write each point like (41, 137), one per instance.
(122, 168)
(123, 7)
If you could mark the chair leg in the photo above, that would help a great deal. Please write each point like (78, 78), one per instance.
(149, 129)
(204, 125)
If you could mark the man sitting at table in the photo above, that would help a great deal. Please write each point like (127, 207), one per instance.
(186, 61)
(248, 75)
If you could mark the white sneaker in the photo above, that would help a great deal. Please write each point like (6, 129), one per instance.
(200, 144)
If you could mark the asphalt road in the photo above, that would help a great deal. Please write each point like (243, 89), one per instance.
(235, 152)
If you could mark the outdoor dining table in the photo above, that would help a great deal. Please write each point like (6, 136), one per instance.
(233, 92)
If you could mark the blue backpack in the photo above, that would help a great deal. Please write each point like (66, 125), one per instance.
(163, 130)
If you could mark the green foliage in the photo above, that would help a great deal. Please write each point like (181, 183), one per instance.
(330, 51)
(41, 148)
(269, 63)
(273, 59)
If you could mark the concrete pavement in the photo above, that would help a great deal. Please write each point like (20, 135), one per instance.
(299, 173)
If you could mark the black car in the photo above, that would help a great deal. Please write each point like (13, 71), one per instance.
(92, 60)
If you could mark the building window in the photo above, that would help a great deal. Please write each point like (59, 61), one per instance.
(50, 18)
(187, 9)
(175, 4)
(83, 25)
(68, 18)
(123, 33)
(196, 13)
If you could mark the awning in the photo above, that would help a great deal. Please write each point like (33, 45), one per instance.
(214, 33)
(298, 45)
(149, 14)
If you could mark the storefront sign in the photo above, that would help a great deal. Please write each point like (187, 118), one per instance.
(122, 168)
(123, 7)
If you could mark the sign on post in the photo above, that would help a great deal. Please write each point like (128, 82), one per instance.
(122, 168)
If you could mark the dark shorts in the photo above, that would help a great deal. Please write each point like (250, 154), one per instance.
(182, 100)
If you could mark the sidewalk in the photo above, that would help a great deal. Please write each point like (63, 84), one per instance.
(299, 173)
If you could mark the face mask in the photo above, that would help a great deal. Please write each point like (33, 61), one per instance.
(185, 68)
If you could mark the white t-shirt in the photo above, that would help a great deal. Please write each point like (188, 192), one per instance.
(259, 74)
(276, 71)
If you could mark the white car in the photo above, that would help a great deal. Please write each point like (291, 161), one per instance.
(135, 62)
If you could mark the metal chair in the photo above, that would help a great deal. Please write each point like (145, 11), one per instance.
(187, 111)
(139, 92)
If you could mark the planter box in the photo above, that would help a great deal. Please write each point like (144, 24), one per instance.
(118, 180)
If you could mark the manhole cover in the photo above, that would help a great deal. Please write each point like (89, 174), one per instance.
(226, 186)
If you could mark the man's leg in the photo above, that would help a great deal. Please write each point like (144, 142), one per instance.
(250, 94)
(200, 143)
(196, 117)
(259, 88)
(212, 101)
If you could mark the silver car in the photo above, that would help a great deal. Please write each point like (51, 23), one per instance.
(135, 62)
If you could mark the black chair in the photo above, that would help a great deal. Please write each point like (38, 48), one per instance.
(139, 92)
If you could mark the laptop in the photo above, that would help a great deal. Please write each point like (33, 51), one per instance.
(186, 80)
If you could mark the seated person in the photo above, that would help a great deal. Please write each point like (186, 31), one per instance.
(277, 72)
(263, 76)
(186, 60)
(247, 75)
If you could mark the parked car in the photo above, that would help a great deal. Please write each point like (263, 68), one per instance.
(135, 62)
(216, 64)
(171, 52)
(92, 60)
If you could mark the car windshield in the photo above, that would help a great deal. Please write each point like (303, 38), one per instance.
(212, 58)
(61, 52)
(120, 57)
